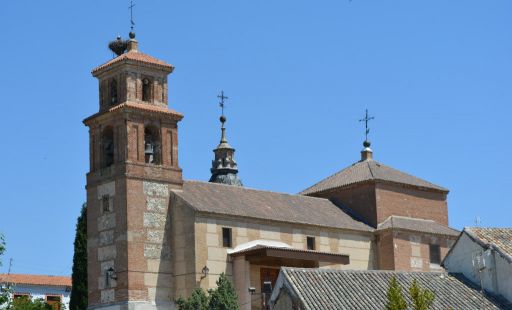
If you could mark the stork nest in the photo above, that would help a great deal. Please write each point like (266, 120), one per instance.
(118, 46)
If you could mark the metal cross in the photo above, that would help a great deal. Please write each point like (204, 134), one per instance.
(131, 13)
(366, 119)
(222, 98)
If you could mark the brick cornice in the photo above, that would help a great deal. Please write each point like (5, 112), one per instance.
(132, 107)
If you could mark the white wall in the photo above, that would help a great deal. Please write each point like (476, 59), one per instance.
(37, 291)
(496, 277)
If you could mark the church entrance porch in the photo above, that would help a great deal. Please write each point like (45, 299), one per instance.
(255, 270)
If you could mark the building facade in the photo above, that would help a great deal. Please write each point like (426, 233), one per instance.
(54, 290)
(484, 256)
(153, 237)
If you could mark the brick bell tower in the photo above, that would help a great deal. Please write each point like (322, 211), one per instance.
(133, 166)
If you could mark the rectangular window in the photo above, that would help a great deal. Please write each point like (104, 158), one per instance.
(311, 243)
(226, 237)
(20, 295)
(54, 301)
(435, 254)
(105, 201)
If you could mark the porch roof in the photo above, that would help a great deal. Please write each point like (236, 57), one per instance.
(280, 255)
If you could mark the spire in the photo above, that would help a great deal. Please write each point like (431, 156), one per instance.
(224, 168)
(366, 153)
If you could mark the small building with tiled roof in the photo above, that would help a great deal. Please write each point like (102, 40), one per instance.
(317, 289)
(484, 255)
(54, 290)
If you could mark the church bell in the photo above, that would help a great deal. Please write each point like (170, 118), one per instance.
(148, 150)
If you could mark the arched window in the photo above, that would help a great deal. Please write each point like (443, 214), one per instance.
(152, 145)
(107, 147)
(113, 92)
(146, 90)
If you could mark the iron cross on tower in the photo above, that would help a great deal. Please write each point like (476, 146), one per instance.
(221, 103)
(131, 14)
(366, 119)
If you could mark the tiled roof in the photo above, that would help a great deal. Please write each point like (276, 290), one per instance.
(135, 56)
(32, 279)
(285, 249)
(499, 238)
(139, 106)
(368, 170)
(342, 289)
(244, 202)
(415, 224)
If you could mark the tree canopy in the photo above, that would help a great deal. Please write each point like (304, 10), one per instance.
(78, 300)
(223, 297)
(421, 299)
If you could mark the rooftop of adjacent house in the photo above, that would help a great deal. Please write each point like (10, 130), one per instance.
(416, 224)
(350, 289)
(33, 279)
(499, 238)
(258, 204)
(369, 170)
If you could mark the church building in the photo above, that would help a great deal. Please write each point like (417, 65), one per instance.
(153, 236)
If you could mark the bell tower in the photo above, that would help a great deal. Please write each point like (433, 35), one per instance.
(133, 166)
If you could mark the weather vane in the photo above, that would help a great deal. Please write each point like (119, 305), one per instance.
(131, 13)
(366, 119)
(222, 98)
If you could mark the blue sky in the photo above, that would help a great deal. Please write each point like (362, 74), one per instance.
(299, 74)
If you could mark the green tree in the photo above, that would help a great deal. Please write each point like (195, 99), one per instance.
(78, 300)
(4, 291)
(26, 303)
(197, 301)
(422, 299)
(396, 299)
(2, 247)
(224, 296)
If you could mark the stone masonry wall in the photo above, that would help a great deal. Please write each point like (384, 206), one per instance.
(209, 250)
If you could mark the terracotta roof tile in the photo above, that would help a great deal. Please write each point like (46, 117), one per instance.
(415, 224)
(325, 289)
(33, 279)
(139, 106)
(135, 56)
(366, 171)
(244, 202)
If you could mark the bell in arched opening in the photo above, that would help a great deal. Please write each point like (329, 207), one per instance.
(151, 145)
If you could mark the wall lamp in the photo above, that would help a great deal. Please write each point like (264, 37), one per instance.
(110, 274)
(205, 272)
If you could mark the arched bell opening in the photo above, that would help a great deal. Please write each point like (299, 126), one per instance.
(146, 89)
(152, 145)
(113, 92)
(107, 147)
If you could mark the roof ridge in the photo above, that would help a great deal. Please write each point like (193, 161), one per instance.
(370, 168)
